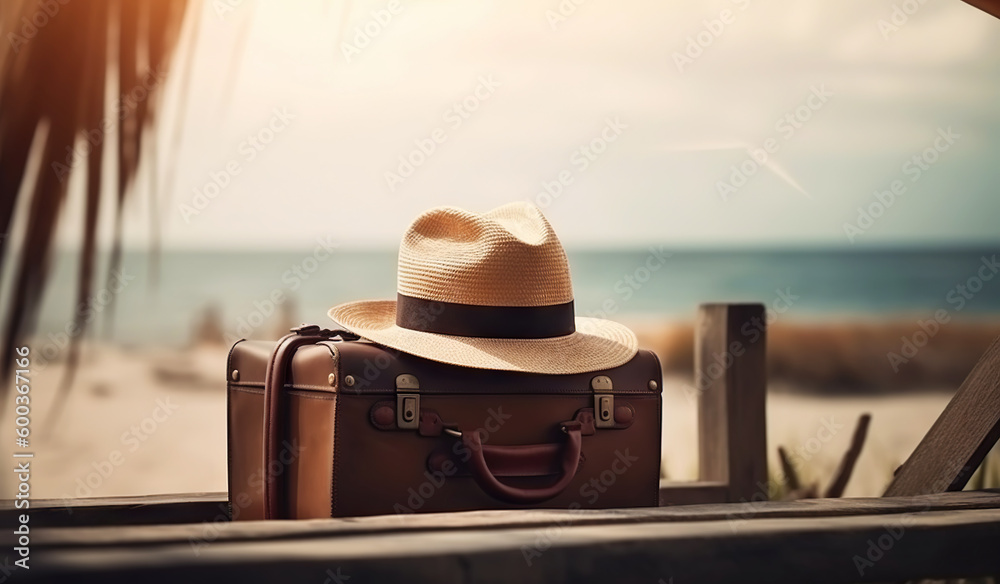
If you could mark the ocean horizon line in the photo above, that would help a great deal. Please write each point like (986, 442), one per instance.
(748, 248)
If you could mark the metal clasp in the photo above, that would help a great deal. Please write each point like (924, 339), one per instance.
(604, 401)
(407, 402)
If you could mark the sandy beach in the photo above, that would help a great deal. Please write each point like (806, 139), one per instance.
(143, 422)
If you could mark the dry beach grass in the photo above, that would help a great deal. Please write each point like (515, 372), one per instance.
(847, 357)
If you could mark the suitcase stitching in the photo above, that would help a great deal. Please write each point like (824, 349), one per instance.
(336, 459)
(336, 429)
(289, 386)
(311, 395)
(334, 397)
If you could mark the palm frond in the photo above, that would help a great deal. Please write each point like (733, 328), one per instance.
(55, 75)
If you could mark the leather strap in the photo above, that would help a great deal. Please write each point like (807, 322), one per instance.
(496, 322)
(489, 483)
(274, 414)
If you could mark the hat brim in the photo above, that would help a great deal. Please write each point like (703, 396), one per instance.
(596, 345)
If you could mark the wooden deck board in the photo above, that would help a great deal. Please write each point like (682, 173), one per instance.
(814, 547)
(196, 507)
(137, 510)
(212, 526)
(820, 540)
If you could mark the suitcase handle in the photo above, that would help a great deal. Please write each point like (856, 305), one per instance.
(489, 483)
(274, 415)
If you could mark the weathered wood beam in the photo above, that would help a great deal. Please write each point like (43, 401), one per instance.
(739, 513)
(958, 441)
(920, 542)
(197, 507)
(138, 510)
(692, 492)
(731, 383)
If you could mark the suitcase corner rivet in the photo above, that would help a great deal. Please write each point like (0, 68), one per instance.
(653, 385)
(331, 379)
(348, 381)
(236, 375)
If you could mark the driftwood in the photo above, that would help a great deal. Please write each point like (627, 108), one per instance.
(840, 479)
(846, 468)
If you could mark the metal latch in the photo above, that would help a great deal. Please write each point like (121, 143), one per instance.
(407, 402)
(604, 402)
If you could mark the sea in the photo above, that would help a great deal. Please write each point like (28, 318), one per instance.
(159, 299)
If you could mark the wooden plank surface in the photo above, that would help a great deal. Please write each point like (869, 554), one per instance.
(958, 441)
(738, 514)
(139, 510)
(197, 507)
(731, 381)
(820, 548)
(692, 493)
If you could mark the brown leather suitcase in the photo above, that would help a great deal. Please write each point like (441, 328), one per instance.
(322, 424)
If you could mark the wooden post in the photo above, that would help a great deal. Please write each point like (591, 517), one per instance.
(958, 441)
(731, 381)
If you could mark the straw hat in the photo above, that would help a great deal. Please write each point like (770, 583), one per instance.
(490, 291)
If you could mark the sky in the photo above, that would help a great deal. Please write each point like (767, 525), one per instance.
(721, 123)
